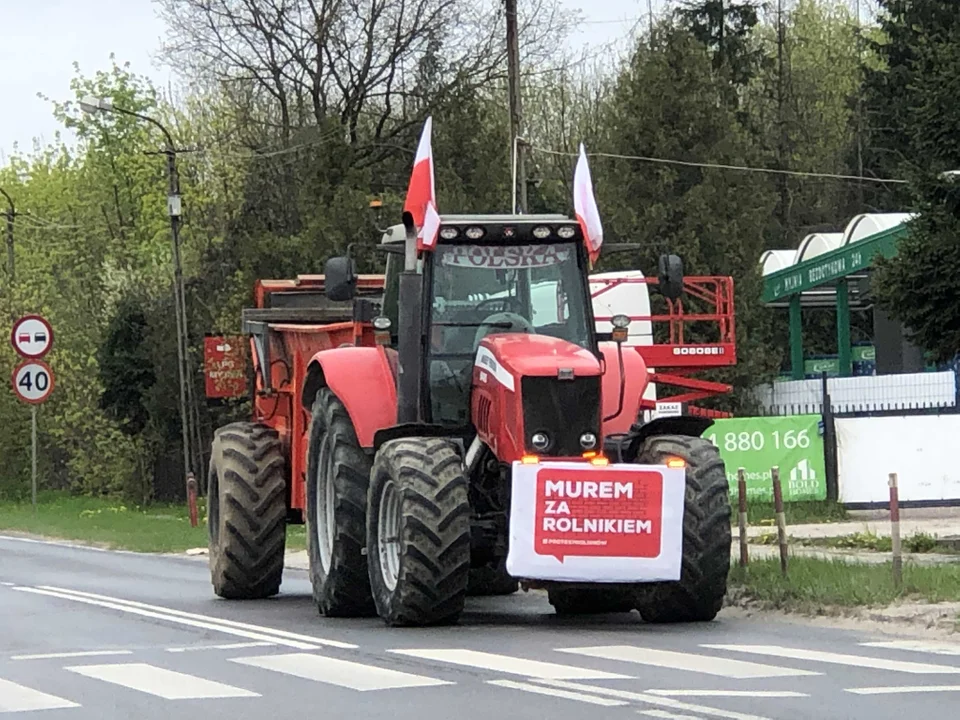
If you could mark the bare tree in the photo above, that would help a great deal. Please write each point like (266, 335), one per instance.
(367, 69)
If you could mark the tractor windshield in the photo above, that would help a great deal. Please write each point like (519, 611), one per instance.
(484, 289)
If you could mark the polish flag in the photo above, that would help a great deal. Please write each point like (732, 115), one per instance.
(585, 207)
(421, 200)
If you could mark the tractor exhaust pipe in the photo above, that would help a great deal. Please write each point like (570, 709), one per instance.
(410, 344)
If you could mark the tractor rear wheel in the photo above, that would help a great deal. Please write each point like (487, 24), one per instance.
(590, 601)
(247, 511)
(418, 532)
(338, 473)
(698, 595)
(491, 580)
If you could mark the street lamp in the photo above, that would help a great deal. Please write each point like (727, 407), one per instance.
(91, 104)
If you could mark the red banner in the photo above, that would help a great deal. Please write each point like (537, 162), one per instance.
(598, 512)
(225, 366)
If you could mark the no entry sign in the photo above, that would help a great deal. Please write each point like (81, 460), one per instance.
(32, 381)
(32, 337)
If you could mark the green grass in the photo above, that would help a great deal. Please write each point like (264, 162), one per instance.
(798, 513)
(919, 542)
(814, 584)
(158, 528)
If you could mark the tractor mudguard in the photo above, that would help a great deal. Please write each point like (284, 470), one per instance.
(362, 378)
(406, 430)
(628, 446)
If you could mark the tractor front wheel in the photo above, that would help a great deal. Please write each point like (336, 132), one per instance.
(338, 472)
(418, 532)
(698, 595)
(492, 580)
(247, 511)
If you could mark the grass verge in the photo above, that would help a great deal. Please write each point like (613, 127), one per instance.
(918, 542)
(797, 513)
(158, 528)
(813, 584)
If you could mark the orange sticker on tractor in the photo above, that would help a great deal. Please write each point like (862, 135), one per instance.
(598, 513)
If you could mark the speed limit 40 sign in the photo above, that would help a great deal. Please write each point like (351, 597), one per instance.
(32, 381)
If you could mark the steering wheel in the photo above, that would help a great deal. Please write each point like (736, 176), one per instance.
(518, 323)
(503, 305)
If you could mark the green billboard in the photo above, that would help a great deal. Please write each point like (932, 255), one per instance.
(792, 442)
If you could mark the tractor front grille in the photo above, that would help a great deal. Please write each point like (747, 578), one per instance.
(563, 409)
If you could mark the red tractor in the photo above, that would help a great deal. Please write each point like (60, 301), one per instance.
(419, 423)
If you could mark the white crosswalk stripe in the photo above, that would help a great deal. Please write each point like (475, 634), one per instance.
(707, 664)
(355, 676)
(157, 681)
(860, 661)
(922, 646)
(511, 665)
(19, 698)
(534, 674)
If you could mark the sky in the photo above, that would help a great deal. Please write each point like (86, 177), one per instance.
(42, 39)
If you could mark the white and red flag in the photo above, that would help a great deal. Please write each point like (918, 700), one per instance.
(585, 207)
(421, 200)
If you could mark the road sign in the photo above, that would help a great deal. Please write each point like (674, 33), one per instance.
(32, 337)
(225, 366)
(33, 381)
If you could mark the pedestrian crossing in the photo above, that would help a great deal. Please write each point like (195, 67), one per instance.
(626, 672)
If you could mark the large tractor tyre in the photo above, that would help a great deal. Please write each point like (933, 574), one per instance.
(491, 580)
(418, 532)
(590, 601)
(247, 511)
(338, 473)
(698, 595)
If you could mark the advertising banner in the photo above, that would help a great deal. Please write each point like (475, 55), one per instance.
(792, 442)
(581, 522)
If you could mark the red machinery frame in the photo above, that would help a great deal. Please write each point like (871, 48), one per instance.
(675, 360)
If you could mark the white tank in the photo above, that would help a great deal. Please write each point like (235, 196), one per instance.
(626, 298)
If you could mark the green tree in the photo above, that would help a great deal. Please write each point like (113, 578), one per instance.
(918, 92)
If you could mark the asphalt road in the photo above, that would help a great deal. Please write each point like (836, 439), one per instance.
(94, 635)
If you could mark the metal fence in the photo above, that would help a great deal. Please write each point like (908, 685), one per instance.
(908, 393)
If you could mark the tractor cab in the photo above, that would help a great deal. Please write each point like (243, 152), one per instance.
(489, 274)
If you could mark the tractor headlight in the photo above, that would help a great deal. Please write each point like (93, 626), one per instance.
(540, 441)
(566, 232)
(449, 233)
(588, 441)
(381, 323)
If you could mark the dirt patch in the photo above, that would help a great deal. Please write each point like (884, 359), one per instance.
(903, 619)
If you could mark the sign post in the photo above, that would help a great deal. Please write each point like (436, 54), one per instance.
(32, 379)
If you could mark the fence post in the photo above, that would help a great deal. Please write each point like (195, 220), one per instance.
(781, 518)
(742, 497)
(831, 461)
(192, 499)
(895, 531)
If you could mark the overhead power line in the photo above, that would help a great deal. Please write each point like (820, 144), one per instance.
(720, 166)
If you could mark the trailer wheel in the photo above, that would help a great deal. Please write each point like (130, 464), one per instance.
(338, 473)
(698, 595)
(590, 601)
(491, 580)
(418, 532)
(247, 511)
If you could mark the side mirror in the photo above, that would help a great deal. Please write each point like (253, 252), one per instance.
(671, 276)
(340, 278)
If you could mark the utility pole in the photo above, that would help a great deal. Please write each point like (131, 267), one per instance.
(10, 214)
(859, 31)
(93, 104)
(516, 111)
(650, 19)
